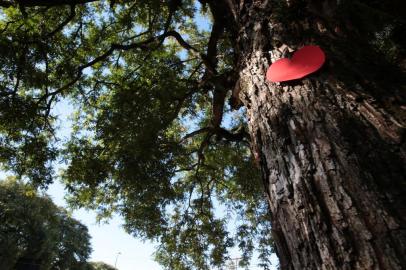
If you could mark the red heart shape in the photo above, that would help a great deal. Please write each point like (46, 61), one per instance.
(303, 62)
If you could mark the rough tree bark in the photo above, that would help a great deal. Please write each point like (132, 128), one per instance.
(331, 146)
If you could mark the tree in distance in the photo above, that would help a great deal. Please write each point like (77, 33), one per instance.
(101, 266)
(37, 234)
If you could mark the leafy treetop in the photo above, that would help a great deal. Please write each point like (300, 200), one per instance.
(153, 137)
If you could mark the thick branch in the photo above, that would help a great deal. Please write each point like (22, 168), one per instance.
(178, 38)
(216, 32)
(219, 96)
(196, 132)
(44, 3)
(221, 133)
(232, 137)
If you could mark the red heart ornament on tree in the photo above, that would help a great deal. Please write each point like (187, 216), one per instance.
(303, 62)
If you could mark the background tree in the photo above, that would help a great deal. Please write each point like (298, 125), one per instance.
(36, 234)
(160, 134)
(101, 266)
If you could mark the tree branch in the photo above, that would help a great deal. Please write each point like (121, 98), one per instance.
(114, 47)
(196, 132)
(233, 137)
(173, 6)
(65, 22)
(43, 3)
(221, 133)
(216, 32)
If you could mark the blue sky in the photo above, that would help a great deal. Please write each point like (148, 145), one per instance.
(110, 239)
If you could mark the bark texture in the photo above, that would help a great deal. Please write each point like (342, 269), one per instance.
(330, 146)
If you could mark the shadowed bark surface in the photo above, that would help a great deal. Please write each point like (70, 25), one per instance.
(331, 146)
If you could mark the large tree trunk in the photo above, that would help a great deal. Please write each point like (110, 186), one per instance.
(331, 146)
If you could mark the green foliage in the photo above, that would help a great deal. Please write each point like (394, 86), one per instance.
(101, 266)
(34, 232)
(136, 96)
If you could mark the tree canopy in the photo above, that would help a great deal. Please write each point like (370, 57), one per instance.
(36, 234)
(101, 266)
(153, 137)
